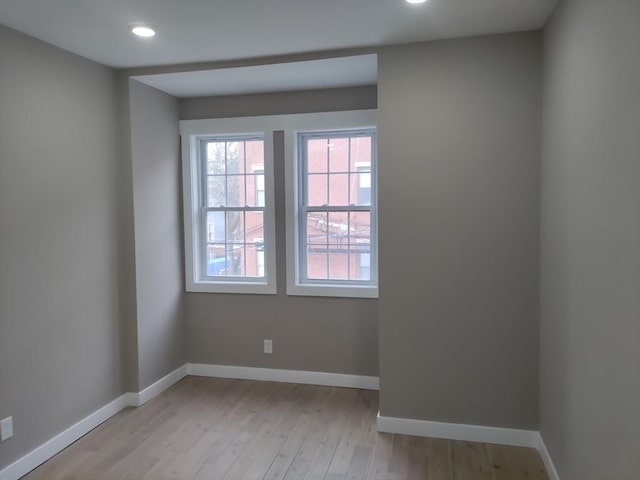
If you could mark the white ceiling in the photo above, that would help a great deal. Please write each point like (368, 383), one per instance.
(210, 30)
(327, 73)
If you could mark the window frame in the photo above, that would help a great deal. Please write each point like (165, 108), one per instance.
(266, 126)
(319, 123)
(193, 133)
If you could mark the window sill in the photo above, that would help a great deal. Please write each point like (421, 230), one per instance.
(232, 287)
(348, 291)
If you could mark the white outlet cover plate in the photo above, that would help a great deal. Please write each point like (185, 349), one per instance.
(6, 428)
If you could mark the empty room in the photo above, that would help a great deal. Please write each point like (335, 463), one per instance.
(320, 239)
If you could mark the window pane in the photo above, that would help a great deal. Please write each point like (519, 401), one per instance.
(338, 229)
(235, 260)
(255, 188)
(255, 257)
(254, 224)
(259, 179)
(236, 190)
(254, 154)
(363, 181)
(216, 158)
(215, 231)
(364, 267)
(317, 190)
(338, 265)
(339, 154)
(316, 228)
(360, 151)
(317, 262)
(260, 263)
(241, 157)
(360, 229)
(234, 157)
(216, 260)
(216, 191)
(339, 189)
(235, 227)
(317, 155)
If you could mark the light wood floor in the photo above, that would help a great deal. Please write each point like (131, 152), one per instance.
(205, 428)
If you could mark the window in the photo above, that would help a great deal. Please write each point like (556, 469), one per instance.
(333, 209)
(330, 193)
(228, 214)
(334, 214)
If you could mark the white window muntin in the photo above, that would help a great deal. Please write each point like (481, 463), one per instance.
(324, 122)
(225, 210)
(303, 209)
(267, 125)
(195, 133)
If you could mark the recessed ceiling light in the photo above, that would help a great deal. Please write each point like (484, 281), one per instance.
(416, 1)
(142, 30)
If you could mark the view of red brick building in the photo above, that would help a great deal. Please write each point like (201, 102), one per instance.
(337, 169)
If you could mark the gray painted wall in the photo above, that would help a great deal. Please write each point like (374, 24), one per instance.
(126, 241)
(159, 271)
(308, 333)
(590, 274)
(60, 348)
(458, 139)
(281, 103)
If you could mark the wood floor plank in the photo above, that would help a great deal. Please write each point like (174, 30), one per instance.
(531, 464)
(470, 461)
(514, 463)
(418, 458)
(439, 459)
(503, 466)
(285, 457)
(311, 444)
(225, 429)
(319, 467)
(379, 468)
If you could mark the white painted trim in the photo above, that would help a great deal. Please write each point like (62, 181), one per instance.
(48, 449)
(286, 376)
(192, 131)
(155, 389)
(44, 452)
(457, 431)
(546, 459)
(317, 122)
(424, 428)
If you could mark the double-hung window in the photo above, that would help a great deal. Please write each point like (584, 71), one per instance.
(333, 210)
(229, 220)
(330, 213)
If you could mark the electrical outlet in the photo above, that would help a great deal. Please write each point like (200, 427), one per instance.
(268, 346)
(6, 429)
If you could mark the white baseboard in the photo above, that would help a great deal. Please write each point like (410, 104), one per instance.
(44, 452)
(546, 459)
(471, 433)
(286, 376)
(155, 389)
(457, 431)
(61, 441)
(424, 428)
